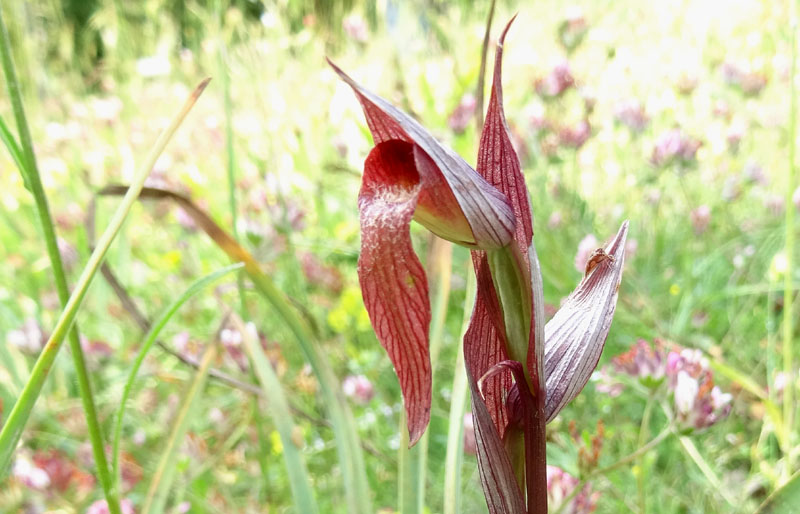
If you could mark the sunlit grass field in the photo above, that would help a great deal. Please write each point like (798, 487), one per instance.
(673, 115)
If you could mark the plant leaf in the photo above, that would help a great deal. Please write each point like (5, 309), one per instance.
(577, 333)
(500, 487)
(487, 211)
(392, 279)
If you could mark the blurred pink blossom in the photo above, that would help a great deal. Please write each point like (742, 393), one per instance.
(731, 189)
(674, 146)
(698, 402)
(572, 28)
(700, 217)
(753, 172)
(750, 81)
(322, 275)
(359, 388)
(28, 473)
(96, 351)
(735, 134)
(576, 135)
(28, 338)
(556, 82)
(231, 340)
(560, 485)
(470, 445)
(631, 114)
(774, 204)
(462, 114)
(355, 27)
(101, 507)
(69, 254)
(555, 220)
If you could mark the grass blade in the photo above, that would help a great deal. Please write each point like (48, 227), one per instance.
(149, 340)
(282, 418)
(351, 456)
(440, 262)
(12, 429)
(458, 406)
(165, 472)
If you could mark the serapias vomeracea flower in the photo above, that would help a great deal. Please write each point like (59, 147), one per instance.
(522, 373)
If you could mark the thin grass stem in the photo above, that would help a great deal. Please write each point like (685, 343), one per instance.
(788, 296)
(161, 482)
(458, 405)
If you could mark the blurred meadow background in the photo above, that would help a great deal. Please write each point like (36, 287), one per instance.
(676, 115)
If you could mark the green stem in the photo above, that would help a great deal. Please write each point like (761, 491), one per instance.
(230, 153)
(644, 431)
(33, 181)
(482, 72)
(788, 318)
(691, 450)
(405, 491)
(458, 405)
(441, 258)
(11, 431)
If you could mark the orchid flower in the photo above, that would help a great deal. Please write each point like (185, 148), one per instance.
(522, 373)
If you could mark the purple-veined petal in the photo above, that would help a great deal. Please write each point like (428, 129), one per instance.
(484, 343)
(497, 160)
(486, 210)
(575, 337)
(393, 282)
(500, 487)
